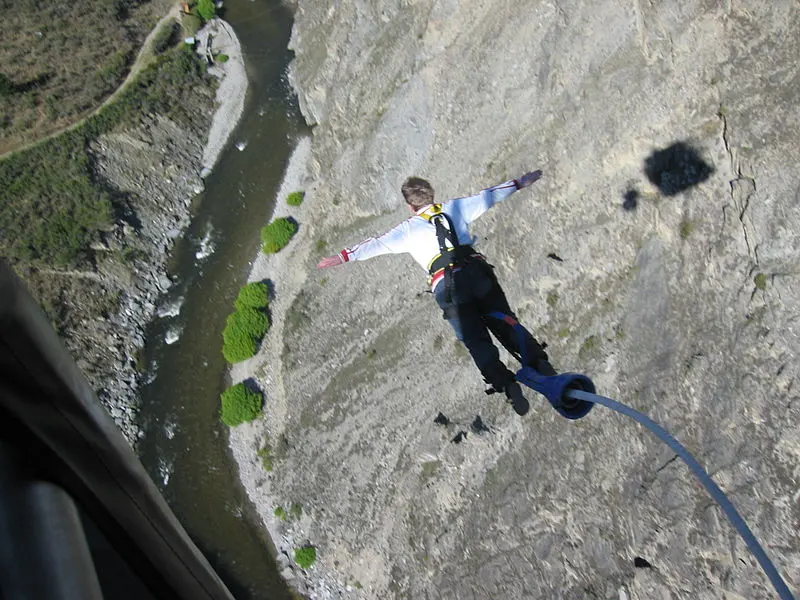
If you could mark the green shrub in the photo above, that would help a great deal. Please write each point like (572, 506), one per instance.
(305, 556)
(253, 295)
(206, 9)
(243, 329)
(280, 513)
(240, 405)
(237, 345)
(265, 454)
(221, 58)
(277, 234)
(760, 280)
(296, 511)
(295, 198)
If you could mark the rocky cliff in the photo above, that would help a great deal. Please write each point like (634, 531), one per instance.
(659, 255)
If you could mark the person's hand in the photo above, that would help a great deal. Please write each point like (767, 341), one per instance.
(528, 179)
(330, 261)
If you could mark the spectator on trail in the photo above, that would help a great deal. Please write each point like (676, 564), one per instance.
(464, 284)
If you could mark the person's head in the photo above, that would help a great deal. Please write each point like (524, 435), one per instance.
(417, 192)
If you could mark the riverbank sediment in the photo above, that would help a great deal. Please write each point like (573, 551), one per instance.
(279, 270)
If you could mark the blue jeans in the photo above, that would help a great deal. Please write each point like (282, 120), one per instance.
(473, 293)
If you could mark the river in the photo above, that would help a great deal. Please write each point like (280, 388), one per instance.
(184, 447)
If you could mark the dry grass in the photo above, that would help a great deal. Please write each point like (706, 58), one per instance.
(60, 60)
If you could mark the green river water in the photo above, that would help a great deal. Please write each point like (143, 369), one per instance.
(184, 447)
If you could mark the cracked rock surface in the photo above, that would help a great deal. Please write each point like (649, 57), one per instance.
(677, 294)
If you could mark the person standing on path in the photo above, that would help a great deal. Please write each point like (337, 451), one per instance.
(437, 236)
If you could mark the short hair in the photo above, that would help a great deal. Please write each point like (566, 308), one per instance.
(417, 191)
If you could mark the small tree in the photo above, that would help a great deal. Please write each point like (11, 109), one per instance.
(253, 295)
(243, 329)
(295, 198)
(240, 405)
(206, 9)
(277, 234)
(305, 556)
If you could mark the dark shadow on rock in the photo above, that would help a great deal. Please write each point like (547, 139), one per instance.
(252, 385)
(478, 426)
(555, 257)
(460, 437)
(630, 200)
(441, 420)
(270, 288)
(676, 168)
(641, 563)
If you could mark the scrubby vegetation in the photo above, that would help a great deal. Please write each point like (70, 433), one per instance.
(277, 234)
(166, 37)
(265, 454)
(247, 325)
(206, 9)
(243, 330)
(240, 405)
(253, 295)
(51, 205)
(60, 59)
(305, 556)
(295, 198)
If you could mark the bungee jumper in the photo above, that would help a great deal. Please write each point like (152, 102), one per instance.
(464, 284)
(465, 287)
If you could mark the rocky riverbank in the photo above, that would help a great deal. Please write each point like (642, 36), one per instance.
(155, 168)
(658, 255)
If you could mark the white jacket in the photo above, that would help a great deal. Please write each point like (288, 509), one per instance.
(417, 235)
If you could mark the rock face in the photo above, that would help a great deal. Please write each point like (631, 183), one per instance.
(659, 255)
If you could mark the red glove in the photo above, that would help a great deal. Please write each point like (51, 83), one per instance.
(330, 261)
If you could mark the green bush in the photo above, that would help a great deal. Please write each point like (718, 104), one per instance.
(221, 58)
(280, 513)
(296, 511)
(265, 454)
(237, 345)
(206, 9)
(305, 556)
(243, 329)
(277, 234)
(253, 295)
(240, 405)
(295, 198)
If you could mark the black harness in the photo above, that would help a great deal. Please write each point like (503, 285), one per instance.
(452, 257)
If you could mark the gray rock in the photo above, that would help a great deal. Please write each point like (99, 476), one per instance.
(683, 303)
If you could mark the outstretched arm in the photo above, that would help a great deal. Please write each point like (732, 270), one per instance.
(391, 242)
(473, 207)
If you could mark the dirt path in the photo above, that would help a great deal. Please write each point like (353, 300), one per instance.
(142, 60)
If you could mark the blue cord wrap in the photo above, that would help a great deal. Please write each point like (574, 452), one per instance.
(573, 396)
